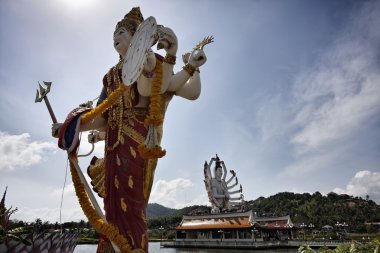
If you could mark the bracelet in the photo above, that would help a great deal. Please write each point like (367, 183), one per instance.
(170, 59)
(147, 74)
(189, 69)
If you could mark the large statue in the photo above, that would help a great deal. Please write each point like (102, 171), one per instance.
(219, 190)
(132, 129)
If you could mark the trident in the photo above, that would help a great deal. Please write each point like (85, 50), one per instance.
(42, 94)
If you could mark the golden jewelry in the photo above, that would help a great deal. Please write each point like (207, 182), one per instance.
(189, 69)
(170, 59)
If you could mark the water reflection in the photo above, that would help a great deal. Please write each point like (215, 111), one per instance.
(154, 247)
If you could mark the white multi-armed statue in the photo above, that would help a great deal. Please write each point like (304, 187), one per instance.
(219, 190)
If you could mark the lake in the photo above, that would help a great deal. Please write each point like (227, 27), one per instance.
(154, 247)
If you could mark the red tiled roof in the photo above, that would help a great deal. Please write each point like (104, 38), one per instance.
(273, 225)
(217, 221)
(234, 220)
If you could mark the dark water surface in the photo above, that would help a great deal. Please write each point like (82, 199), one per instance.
(154, 247)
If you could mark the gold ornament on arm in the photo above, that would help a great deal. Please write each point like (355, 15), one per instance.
(189, 69)
(170, 59)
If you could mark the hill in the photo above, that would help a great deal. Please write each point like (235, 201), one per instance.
(318, 209)
(305, 208)
(175, 216)
(156, 210)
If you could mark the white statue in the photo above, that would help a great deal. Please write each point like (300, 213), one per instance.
(124, 177)
(218, 188)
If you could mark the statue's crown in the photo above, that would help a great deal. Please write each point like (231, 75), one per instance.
(131, 20)
(135, 14)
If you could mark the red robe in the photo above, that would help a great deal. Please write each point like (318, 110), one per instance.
(125, 170)
(127, 176)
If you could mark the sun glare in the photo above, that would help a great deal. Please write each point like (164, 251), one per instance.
(77, 3)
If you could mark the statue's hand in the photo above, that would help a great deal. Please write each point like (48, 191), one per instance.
(167, 40)
(185, 59)
(95, 136)
(55, 129)
(197, 58)
(150, 61)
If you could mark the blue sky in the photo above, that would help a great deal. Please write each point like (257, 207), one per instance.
(290, 96)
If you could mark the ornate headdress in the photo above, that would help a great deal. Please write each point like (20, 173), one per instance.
(217, 164)
(131, 20)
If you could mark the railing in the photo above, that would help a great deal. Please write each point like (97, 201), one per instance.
(223, 243)
(244, 243)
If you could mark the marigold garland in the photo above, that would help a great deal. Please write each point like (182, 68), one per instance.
(150, 153)
(109, 230)
(155, 116)
(107, 103)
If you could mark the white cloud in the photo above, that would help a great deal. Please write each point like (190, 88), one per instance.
(171, 193)
(307, 164)
(17, 151)
(272, 116)
(363, 183)
(342, 90)
(336, 98)
(338, 95)
(71, 210)
(69, 192)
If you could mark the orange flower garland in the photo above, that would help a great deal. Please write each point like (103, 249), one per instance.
(107, 103)
(109, 230)
(155, 116)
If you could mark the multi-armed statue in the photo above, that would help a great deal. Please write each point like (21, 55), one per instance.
(219, 190)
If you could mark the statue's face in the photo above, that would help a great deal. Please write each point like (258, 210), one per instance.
(218, 172)
(121, 39)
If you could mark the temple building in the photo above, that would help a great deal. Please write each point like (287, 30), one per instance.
(235, 225)
(229, 225)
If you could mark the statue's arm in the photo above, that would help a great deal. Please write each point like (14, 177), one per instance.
(237, 191)
(232, 177)
(234, 192)
(224, 171)
(207, 172)
(232, 186)
(144, 82)
(191, 89)
(209, 165)
(169, 42)
(98, 123)
(234, 199)
(187, 83)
